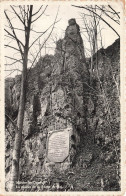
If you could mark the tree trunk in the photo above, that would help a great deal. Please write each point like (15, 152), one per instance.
(18, 133)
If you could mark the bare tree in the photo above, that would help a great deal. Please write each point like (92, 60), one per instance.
(25, 17)
(93, 17)
(91, 20)
(91, 27)
(109, 12)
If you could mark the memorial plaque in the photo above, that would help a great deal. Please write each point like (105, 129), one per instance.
(58, 146)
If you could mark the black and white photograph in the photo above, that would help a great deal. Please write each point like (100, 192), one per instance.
(62, 97)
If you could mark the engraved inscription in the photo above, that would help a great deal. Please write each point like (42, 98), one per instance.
(58, 146)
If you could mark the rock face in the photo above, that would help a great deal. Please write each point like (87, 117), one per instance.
(54, 103)
(62, 106)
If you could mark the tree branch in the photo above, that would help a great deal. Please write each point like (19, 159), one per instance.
(11, 47)
(41, 35)
(40, 15)
(13, 70)
(37, 11)
(36, 31)
(17, 15)
(21, 11)
(11, 121)
(9, 64)
(107, 14)
(45, 39)
(14, 35)
(13, 59)
(98, 16)
(114, 11)
(9, 74)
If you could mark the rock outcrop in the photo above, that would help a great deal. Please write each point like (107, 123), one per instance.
(64, 97)
(55, 102)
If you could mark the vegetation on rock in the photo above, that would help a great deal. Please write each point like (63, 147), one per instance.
(63, 91)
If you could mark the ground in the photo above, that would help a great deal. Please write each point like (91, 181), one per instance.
(89, 172)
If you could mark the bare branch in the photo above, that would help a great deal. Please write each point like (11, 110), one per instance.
(9, 37)
(11, 47)
(28, 12)
(19, 29)
(114, 11)
(13, 70)
(19, 43)
(13, 59)
(98, 16)
(40, 14)
(9, 33)
(107, 14)
(11, 121)
(17, 15)
(42, 34)
(21, 11)
(36, 31)
(8, 64)
(45, 39)
(9, 74)
(37, 11)
(15, 28)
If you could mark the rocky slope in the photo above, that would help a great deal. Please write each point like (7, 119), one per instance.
(63, 93)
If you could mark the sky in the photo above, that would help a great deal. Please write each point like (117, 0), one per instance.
(65, 12)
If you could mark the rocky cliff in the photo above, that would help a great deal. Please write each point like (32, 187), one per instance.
(66, 97)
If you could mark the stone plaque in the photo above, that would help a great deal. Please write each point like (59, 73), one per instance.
(58, 146)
